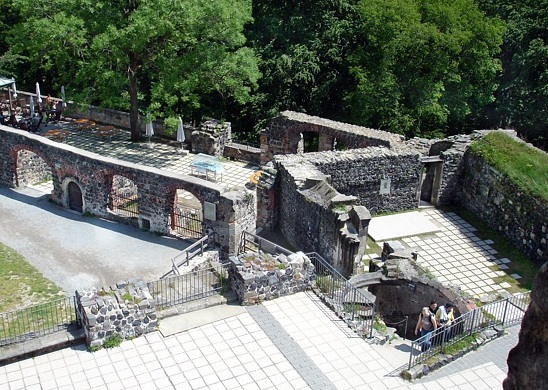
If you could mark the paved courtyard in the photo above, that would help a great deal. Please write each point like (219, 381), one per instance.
(289, 343)
(453, 253)
(161, 155)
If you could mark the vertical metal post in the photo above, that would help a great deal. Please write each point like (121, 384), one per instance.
(505, 311)
(406, 320)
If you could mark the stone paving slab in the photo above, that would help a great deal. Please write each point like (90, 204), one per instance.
(183, 322)
(390, 227)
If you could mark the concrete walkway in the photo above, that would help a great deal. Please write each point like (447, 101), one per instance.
(289, 343)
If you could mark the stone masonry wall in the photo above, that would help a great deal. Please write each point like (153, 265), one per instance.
(127, 310)
(257, 277)
(517, 216)
(360, 172)
(283, 134)
(156, 188)
(31, 169)
(211, 137)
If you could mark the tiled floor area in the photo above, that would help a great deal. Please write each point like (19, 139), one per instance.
(289, 343)
(152, 154)
(456, 255)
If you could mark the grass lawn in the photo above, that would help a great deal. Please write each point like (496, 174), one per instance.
(21, 285)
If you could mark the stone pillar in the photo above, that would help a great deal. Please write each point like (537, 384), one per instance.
(325, 142)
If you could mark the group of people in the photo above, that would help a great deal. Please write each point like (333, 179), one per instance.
(44, 113)
(434, 322)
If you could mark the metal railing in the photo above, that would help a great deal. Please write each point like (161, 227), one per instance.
(188, 253)
(195, 285)
(348, 302)
(506, 312)
(254, 243)
(38, 320)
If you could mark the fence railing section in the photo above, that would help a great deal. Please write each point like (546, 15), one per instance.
(505, 312)
(347, 300)
(254, 243)
(188, 253)
(124, 203)
(38, 320)
(180, 289)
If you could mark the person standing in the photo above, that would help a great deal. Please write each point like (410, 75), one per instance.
(426, 325)
(444, 319)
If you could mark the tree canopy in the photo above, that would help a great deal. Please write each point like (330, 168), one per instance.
(163, 56)
(419, 68)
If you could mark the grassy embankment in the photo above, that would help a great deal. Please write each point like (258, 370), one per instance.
(527, 168)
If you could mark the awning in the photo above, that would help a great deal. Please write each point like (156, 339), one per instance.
(4, 81)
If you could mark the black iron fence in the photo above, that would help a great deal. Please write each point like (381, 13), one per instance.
(348, 302)
(38, 320)
(187, 222)
(505, 312)
(179, 289)
(124, 203)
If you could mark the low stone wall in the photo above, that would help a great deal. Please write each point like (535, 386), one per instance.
(127, 310)
(517, 216)
(261, 277)
(240, 152)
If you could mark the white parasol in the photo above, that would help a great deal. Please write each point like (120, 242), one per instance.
(63, 95)
(31, 107)
(38, 97)
(149, 131)
(180, 132)
(14, 90)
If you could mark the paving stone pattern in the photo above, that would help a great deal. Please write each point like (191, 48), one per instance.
(456, 255)
(153, 154)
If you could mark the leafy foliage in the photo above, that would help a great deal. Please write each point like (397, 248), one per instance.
(522, 99)
(423, 68)
(166, 56)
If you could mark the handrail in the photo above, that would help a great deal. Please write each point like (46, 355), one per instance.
(261, 244)
(202, 244)
(505, 312)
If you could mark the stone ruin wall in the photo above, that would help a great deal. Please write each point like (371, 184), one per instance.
(518, 217)
(31, 169)
(314, 217)
(283, 135)
(126, 310)
(156, 188)
(359, 173)
(257, 277)
(211, 137)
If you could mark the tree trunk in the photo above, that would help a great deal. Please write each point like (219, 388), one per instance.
(133, 101)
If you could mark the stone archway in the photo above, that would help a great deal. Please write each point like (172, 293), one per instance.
(75, 200)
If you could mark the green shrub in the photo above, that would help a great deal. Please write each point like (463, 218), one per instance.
(113, 341)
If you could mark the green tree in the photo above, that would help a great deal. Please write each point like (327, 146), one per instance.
(163, 55)
(422, 67)
(302, 48)
(522, 99)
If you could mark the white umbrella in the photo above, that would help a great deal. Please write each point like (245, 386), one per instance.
(38, 97)
(14, 91)
(31, 107)
(149, 130)
(63, 95)
(180, 132)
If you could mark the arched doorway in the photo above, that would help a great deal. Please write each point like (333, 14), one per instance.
(75, 200)
(187, 217)
(123, 197)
